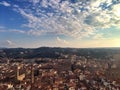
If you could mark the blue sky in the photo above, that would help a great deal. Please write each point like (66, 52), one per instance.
(59, 23)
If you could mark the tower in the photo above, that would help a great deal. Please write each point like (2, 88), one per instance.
(18, 72)
(32, 77)
(20, 76)
(32, 74)
(8, 61)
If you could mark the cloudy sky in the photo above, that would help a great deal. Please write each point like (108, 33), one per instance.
(59, 23)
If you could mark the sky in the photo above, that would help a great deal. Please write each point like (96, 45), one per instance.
(59, 23)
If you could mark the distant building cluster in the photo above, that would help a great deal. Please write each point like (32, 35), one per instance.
(72, 73)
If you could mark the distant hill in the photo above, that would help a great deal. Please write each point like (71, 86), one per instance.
(56, 52)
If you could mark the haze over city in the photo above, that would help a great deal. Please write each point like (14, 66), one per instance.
(59, 23)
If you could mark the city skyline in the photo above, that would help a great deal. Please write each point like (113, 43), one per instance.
(59, 23)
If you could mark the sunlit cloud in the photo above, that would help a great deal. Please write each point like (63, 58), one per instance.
(98, 36)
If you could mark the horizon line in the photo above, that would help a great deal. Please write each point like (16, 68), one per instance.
(56, 47)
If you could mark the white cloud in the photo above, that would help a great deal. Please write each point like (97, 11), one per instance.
(59, 40)
(8, 42)
(36, 33)
(2, 27)
(13, 30)
(4, 3)
(35, 1)
(79, 20)
(98, 36)
(2, 30)
(17, 31)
